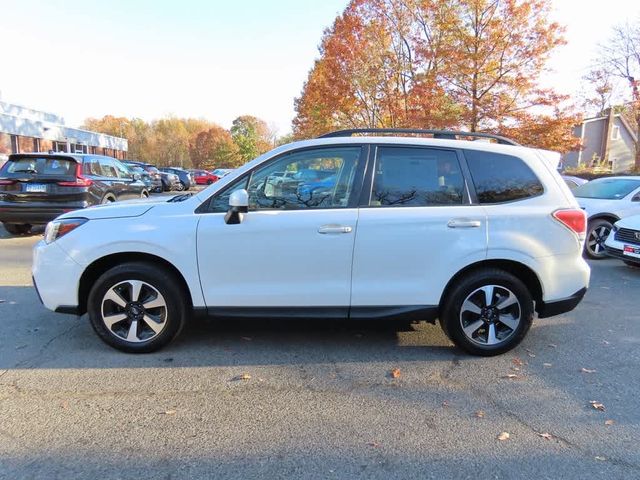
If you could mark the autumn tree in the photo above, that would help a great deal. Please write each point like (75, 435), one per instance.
(621, 56)
(214, 148)
(252, 136)
(469, 64)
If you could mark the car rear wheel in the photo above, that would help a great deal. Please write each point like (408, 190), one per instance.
(179, 186)
(597, 233)
(144, 194)
(136, 307)
(17, 228)
(108, 199)
(488, 312)
(209, 182)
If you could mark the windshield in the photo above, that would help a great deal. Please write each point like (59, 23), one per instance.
(45, 166)
(607, 188)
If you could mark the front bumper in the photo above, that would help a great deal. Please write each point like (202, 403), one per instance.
(56, 277)
(619, 254)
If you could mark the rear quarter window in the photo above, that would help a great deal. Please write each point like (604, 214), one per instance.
(500, 178)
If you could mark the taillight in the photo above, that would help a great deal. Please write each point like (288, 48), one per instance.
(575, 219)
(7, 182)
(80, 180)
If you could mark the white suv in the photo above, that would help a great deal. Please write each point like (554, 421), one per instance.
(476, 234)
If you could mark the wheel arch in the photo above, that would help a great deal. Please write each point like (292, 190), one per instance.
(520, 270)
(609, 217)
(101, 265)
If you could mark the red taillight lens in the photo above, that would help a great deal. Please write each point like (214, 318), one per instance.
(7, 182)
(574, 219)
(80, 180)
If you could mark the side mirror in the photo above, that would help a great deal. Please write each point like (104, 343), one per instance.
(636, 198)
(136, 176)
(238, 206)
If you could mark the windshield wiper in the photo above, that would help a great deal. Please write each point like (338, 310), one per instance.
(26, 170)
(180, 198)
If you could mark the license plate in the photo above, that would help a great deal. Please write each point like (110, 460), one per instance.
(632, 251)
(35, 187)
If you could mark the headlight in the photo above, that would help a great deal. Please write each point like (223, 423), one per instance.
(59, 228)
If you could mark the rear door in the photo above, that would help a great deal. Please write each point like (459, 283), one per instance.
(40, 179)
(416, 228)
(113, 183)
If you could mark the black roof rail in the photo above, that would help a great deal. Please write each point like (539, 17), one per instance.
(446, 134)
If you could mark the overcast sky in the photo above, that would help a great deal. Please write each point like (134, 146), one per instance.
(204, 58)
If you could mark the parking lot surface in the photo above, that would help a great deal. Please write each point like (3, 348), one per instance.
(318, 399)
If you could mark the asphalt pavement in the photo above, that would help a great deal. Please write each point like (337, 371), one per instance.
(317, 399)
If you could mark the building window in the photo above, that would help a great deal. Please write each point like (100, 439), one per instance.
(15, 148)
(615, 133)
(36, 144)
(60, 147)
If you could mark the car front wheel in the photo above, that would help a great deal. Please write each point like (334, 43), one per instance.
(136, 307)
(488, 312)
(597, 233)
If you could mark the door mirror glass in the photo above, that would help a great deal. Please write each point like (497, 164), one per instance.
(636, 198)
(238, 206)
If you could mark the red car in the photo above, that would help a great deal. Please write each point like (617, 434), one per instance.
(204, 177)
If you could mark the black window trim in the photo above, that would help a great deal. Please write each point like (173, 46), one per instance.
(472, 185)
(354, 198)
(468, 197)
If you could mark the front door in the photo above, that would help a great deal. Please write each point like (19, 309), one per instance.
(294, 247)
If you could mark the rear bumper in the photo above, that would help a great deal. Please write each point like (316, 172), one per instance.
(35, 213)
(558, 307)
(617, 253)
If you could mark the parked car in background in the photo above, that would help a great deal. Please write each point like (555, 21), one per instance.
(204, 177)
(185, 179)
(143, 174)
(153, 172)
(573, 182)
(37, 187)
(222, 172)
(478, 235)
(606, 200)
(624, 241)
(170, 182)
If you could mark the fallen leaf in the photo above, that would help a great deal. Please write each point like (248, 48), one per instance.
(169, 412)
(532, 355)
(587, 370)
(445, 404)
(510, 375)
(547, 365)
(242, 376)
(373, 444)
(395, 373)
(65, 404)
(602, 459)
(546, 436)
(504, 436)
(597, 405)
(517, 361)
(609, 422)
(479, 414)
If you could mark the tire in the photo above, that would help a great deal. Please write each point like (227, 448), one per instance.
(17, 228)
(597, 233)
(108, 199)
(631, 264)
(489, 331)
(209, 182)
(144, 194)
(112, 295)
(180, 186)
(166, 187)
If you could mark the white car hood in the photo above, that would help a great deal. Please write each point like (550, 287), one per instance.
(632, 222)
(124, 209)
(594, 206)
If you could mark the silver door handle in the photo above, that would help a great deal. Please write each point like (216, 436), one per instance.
(464, 223)
(325, 229)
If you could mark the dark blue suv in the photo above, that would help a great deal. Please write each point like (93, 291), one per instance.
(37, 187)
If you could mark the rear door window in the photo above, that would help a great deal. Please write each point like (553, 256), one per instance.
(39, 166)
(416, 177)
(500, 178)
